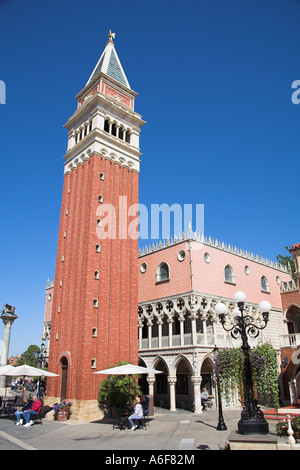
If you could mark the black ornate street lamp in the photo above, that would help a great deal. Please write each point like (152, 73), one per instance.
(221, 423)
(252, 418)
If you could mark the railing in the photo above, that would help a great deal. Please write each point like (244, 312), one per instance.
(176, 341)
(292, 340)
(289, 286)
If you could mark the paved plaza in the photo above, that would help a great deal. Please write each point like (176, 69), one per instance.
(177, 431)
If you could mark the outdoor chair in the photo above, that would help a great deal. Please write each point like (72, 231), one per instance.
(9, 405)
(208, 404)
(37, 419)
(19, 402)
(121, 422)
(144, 422)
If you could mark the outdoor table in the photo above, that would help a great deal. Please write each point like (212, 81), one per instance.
(8, 405)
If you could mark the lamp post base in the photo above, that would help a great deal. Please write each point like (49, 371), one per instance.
(253, 426)
(221, 426)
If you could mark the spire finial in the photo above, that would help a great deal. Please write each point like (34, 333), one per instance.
(111, 36)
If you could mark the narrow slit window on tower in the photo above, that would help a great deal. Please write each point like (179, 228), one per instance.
(106, 125)
(90, 126)
(114, 129)
(101, 176)
(99, 222)
(97, 248)
(100, 199)
(96, 274)
(95, 303)
(93, 363)
(94, 333)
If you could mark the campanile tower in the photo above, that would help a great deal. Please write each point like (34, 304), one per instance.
(95, 303)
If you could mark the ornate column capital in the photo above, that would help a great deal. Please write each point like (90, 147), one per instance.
(8, 319)
(151, 380)
(172, 380)
(196, 380)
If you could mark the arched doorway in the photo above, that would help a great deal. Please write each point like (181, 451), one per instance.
(161, 385)
(184, 389)
(142, 380)
(207, 375)
(293, 319)
(64, 378)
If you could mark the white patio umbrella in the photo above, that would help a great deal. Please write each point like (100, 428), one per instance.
(29, 371)
(128, 369)
(5, 370)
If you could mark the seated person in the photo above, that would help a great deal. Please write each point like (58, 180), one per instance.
(145, 404)
(34, 410)
(27, 405)
(204, 396)
(137, 414)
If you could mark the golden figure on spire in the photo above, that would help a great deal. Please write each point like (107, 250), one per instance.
(111, 35)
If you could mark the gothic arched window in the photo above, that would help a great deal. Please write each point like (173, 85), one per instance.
(264, 284)
(229, 274)
(163, 272)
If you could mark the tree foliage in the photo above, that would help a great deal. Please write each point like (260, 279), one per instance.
(288, 261)
(114, 390)
(30, 356)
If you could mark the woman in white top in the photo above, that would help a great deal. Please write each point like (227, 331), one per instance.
(137, 414)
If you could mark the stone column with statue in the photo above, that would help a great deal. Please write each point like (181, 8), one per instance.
(8, 316)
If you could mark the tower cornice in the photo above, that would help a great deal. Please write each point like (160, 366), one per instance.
(103, 144)
(97, 78)
(108, 104)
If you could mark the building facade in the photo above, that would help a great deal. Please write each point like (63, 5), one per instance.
(290, 341)
(180, 281)
(95, 300)
(179, 284)
(156, 308)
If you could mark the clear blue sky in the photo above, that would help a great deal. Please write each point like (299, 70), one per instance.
(214, 81)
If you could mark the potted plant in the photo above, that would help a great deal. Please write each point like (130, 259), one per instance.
(62, 410)
(114, 392)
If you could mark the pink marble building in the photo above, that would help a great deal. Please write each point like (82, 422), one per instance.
(179, 284)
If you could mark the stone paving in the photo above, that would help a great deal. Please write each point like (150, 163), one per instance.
(177, 431)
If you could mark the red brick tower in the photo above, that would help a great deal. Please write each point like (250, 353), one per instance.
(95, 303)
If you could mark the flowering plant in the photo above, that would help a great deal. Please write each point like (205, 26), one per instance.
(229, 369)
(62, 405)
(265, 372)
(282, 427)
